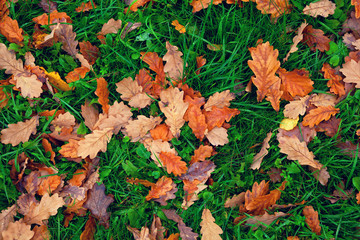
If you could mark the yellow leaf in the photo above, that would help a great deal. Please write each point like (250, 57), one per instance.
(288, 123)
(56, 81)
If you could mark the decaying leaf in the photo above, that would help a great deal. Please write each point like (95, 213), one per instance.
(201, 153)
(296, 40)
(316, 39)
(174, 66)
(322, 8)
(209, 229)
(335, 82)
(163, 190)
(138, 128)
(198, 5)
(263, 152)
(111, 26)
(312, 219)
(235, 201)
(103, 93)
(178, 26)
(264, 220)
(186, 233)
(296, 107)
(10, 29)
(18, 231)
(274, 7)
(19, 132)
(84, 7)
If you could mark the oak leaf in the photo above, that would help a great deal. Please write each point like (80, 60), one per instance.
(330, 127)
(9, 62)
(358, 198)
(295, 83)
(323, 99)
(78, 178)
(111, 26)
(29, 85)
(136, 181)
(219, 99)
(351, 70)
(94, 143)
(356, 3)
(264, 65)
(76, 74)
(312, 219)
(173, 163)
(103, 93)
(315, 39)
(235, 201)
(84, 7)
(322, 176)
(162, 186)
(199, 5)
(274, 174)
(322, 113)
(144, 80)
(64, 120)
(155, 62)
(89, 51)
(7, 217)
(47, 207)
(199, 171)
(276, 8)
(41, 233)
(90, 114)
(18, 231)
(322, 8)
(89, 230)
(303, 133)
(66, 36)
(46, 19)
(197, 121)
(217, 116)
(178, 26)
(174, 108)
(10, 29)
(296, 107)
(335, 82)
(263, 152)
(48, 6)
(70, 149)
(162, 132)
(296, 40)
(137, 129)
(49, 183)
(97, 202)
(174, 63)
(296, 150)
(131, 91)
(264, 220)
(192, 190)
(217, 136)
(19, 132)
(209, 229)
(200, 154)
(186, 233)
(157, 146)
(200, 62)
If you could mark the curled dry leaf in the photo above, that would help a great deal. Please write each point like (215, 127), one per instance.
(312, 219)
(66, 36)
(335, 82)
(90, 114)
(19, 132)
(296, 40)
(89, 51)
(217, 116)
(322, 8)
(209, 229)
(296, 150)
(263, 152)
(161, 188)
(295, 83)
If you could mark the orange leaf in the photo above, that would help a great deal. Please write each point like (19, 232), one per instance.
(200, 62)
(89, 51)
(202, 153)
(155, 62)
(256, 191)
(173, 163)
(194, 102)
(78, 178)
(322, 113)
(162, 132)
(274, 7)
(4, 8)
(44, 19)
(358, 198)
(274, 94)
(138, 3)
(162, 186)
(217, 116)
(315, 39)
(219, 99)
(103, 93)
(356, 3)
(10, 29)
(90, 229)
(335, 82)
(47, 147)
(50, 183)
(136, 181)
(76, 74)
(144, 80)
(197, 122)
(178, 26)
(198, 5)
(70, 149)
(84, 7)
(264, 65)
(312, 219)
(295, 83)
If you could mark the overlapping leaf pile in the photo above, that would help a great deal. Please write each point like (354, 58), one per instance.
(44, 191)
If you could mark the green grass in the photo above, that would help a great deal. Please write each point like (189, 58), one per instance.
(236, 29)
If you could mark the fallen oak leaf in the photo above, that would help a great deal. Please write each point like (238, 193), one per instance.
(178, 27)
(174, 63)
(18, 231)
(335, 82)
(48, 6)
(235, 201)
(199, 5)
(84, 7)
(219, 99)
(209, 229)
(351, 70)
(295, 83)
(315, 39)
(322, 8)
(263, 152)
(46, 19)
(296, 40)
(161, 189)
(200, 154)
(312, 219)
(296, 107)
(217, 136)
(103, 93)
(186, 233)
(19, 132)
(162, 132)
(89, 230)
(7, 217)
(138, 128)
(264, 220)
(275, 8)
(94, 142)
(322, 113)
(217, 116)
(173, 163)
(10, 29)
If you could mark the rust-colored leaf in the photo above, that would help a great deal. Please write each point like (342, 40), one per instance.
(174, 66)
(45, 19)
(274, 7)
(217, 116)
(18, 231)
(89, 51)
(162, 186)
(10, 29)
(76, 74)
(173, 163)
(103, 93)
(219, 99)
(47, 147)
(316, 39)
(322, 113)
(312, 219)
(200, 62)
(330, 127)
(154, 61)
(295, 83)
(136, 181)
(84, 7)
(90, 229)
(78, 178)
(162, 132)
(199, 5)
(264, 220)
(235, 201)
(197, 122)
(200, 154)
(94, 143)
(356, 3)
(70, 149)
(178, 26)
(296, 40)
(335, 82)
(138, 128)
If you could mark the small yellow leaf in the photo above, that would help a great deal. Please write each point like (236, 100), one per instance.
(288, 123)
(56, 81)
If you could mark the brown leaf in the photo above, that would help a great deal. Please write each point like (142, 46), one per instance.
(156, 229)
(200, 154)
(137, 129)
(94, 143)
(48, 6)
(89, 51)
(322, 8)
(276, 8)
(10, 29)
(186, 233)
(174, 108)
(351, 72)
(199, 5)
(174, 63)
(131, 91)
(274, 174)
(46, 19)
(264, 220)
(97, 202)
(50, 183)
(264, 65)
(217, 136)
(162, 186)
(335, 82)
(157, 146)
(356, 3)
(143, 234)
(90, 114)
(41, 233)
(66, 120)
(136, 181)
(312, 219)
(315, 116)
(209, 229)
(330, 127)
(197, 121)
(111, 26)
(135, 4)
(217, 116)
(349, 148)
(296, 150)
(162, 132)
(77, 74)
(219, 100)
(154, 61)
(192, 190)
(7, 217)
(18, 231)
(235, 201)
(144, 80)
(173, 163)
(200, 62)
(78, 178)
(323, 99)
(9, 62)
(47, 207)
(70, 149)
(358, 198)
(263, 152)
(47, 147)
(295, 83)
(103, 93)
(296, 40)
(19, 132)
(322, 176)
(84, 7)
(296, 107)
(66, 36)
(315, 39)
(199, 171)
(30, 86)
